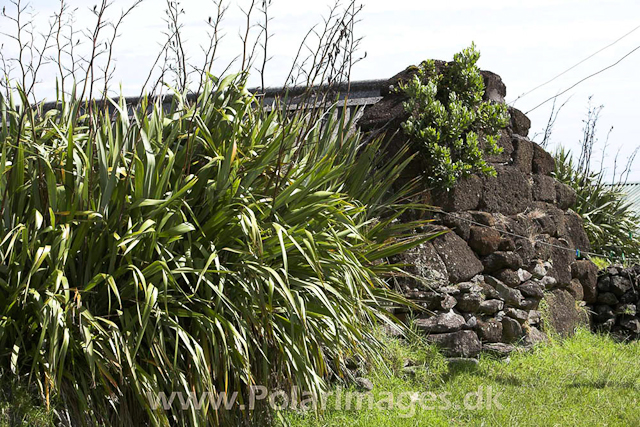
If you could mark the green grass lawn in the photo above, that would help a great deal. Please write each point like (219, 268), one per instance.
(584, 380)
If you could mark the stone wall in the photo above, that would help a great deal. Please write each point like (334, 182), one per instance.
(508, 248)
(614, 302)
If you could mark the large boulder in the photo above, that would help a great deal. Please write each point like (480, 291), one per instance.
(441, 323)
(564, 315)
(465, 196)
(424, 264)
(457, 344)
(509, 192)
(500, 260)
(460, 261)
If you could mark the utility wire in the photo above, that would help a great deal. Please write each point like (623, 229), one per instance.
(582, 80)
(573, 66)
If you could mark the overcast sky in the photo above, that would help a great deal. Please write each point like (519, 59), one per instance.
(525, 42)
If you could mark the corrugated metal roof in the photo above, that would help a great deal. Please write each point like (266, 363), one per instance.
(632, 192)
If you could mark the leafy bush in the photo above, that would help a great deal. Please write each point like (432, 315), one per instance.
(210, 247)
(449, 120)
(609, 220)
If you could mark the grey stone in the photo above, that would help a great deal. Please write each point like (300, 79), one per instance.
(441, 323)
(626, 309)
(490, 306)
(534, 336)
(460, 261)
(511, 296)
(523, 275)
(489, 330)
(469, 302)
(532, 289)
(538, 270)
(458, 344)
(364, 384)
(501, 260)
(603, 283)
(535, 317)
(529, 304)
(574, 231)
(631, 324)
(548, 282)
(511, 330)
(498, 349)
(462, 363)
(520, 315)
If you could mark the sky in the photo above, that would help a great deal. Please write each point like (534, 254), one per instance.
(525, 42)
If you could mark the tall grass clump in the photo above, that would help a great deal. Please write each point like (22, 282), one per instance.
(163, 253)
(203, 247)
(609, 219)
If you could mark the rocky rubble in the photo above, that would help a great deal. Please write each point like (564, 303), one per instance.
(511, 244)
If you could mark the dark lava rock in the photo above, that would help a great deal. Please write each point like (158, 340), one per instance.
(544, 188)
(460, 261)
(543, 162)
(490, 306)
(509, 192)
(511, 330)
(566, 196)
(443, 322)
(562, 256)
(498, 349)
(564, 316)
(508, 277)
(607, 298)
(620, 285)
(604, 282)
(484, 240)
(532, 289)
(458, 344)
(519, 123)
(425, 264)
(587, 273)
(500, 260)
(469, 303)
(575, 289)
(459, 222)
(522, 153)
(489, 330)
(574, 231)
(465, 196)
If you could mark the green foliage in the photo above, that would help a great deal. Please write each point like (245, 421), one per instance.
(206, 248)
(609, 220)
(449, 123)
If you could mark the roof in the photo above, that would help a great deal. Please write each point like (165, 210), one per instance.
(632, 193)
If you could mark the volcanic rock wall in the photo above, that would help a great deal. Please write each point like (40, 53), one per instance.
(615, 301)
(506, 262)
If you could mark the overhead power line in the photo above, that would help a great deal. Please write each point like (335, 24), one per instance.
(584, 79)
(575, 65)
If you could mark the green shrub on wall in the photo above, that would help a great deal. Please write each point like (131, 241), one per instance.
(448, 119)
